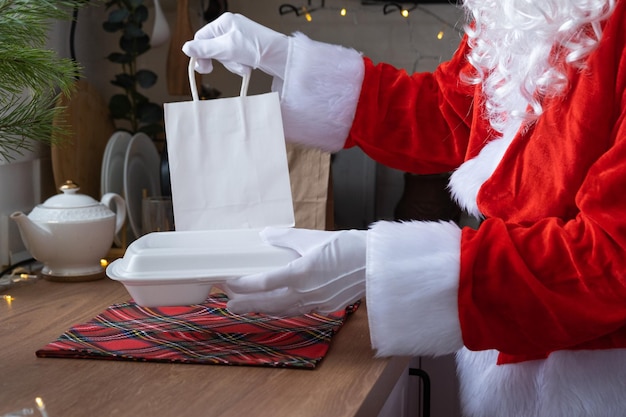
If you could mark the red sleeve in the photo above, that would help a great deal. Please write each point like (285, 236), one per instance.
(548, 287)
(417, 123)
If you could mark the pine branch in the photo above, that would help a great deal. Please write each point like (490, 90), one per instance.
(35, 69)
(30, 74)
(25, 121)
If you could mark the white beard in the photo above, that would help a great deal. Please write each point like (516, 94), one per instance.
(521, 50)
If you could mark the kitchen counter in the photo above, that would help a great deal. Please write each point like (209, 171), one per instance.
(348, 382)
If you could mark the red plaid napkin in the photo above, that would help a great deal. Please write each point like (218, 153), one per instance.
(202, 334)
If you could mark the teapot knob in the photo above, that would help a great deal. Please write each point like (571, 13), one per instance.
(69, 185)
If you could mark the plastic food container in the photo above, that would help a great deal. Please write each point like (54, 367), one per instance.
(179, 268)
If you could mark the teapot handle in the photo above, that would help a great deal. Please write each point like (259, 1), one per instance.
(120, 208)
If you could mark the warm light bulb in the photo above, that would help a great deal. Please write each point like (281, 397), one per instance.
(404, 13)
(343, 12)
(8, 298)
(440, 35)
(308, 17)
(41, 407)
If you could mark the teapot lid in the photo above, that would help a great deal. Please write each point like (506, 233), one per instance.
(69, 197)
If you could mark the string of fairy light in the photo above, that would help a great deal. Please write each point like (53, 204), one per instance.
(405, 9)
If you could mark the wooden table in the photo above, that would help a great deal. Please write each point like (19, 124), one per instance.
(348, 382)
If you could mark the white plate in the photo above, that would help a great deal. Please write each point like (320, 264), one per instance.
(179, 268)
(112, 175)
(105, 162)
(141, 177)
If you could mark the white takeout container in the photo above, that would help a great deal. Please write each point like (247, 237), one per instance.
(179, 268)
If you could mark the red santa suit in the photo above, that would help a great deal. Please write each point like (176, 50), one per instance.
(533, 301)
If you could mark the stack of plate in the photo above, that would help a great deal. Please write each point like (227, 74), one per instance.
(130, 168)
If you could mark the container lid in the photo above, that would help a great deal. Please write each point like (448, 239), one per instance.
(207, 256)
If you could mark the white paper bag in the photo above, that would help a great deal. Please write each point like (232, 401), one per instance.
(228, 162)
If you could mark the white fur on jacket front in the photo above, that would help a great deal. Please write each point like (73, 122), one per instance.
(585, 383)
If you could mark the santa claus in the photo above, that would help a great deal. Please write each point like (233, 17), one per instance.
(530, 115)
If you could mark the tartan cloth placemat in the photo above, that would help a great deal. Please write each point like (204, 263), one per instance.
(200, 334)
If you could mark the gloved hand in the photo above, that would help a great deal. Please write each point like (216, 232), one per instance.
(239, 44)
(328, 276)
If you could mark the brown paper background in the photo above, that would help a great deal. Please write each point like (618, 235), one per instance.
(309, 173)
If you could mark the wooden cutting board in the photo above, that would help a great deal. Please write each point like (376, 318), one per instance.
(79, 157)
(177, 61)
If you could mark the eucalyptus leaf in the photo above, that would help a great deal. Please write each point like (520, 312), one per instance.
(135, 46)
(132, 30)
(112, 27)
(138, 98)
(132, 106)
(119, 58)
(126, 81)
(146, 78)
(118, 16)
(149, 113)
(141, 14)
(119, 106)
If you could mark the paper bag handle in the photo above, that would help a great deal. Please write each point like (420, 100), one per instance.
(194, 87)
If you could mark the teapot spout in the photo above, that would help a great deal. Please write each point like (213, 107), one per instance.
(33, 235)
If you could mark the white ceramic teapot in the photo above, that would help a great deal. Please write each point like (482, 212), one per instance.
(70, 233)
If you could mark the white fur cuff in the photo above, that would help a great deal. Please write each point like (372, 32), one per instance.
(412, 288)
(320, 92)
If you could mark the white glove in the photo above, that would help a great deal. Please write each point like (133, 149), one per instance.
(328, 276)
(240, 45)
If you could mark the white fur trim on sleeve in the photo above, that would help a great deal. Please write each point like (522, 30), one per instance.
(320, 92)
(412, 288)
